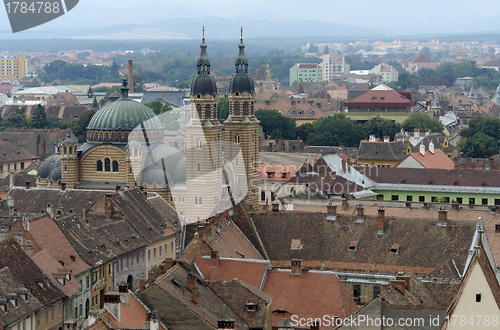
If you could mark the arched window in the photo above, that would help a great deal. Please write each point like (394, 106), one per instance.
(70, 150)
(198, 110)
(236, 139)
(107, 165)
(245, 108)
(101, 136)
(236, 108)
(208, 113)
(252, 108)
(115, 166)
(107, 136)
(196, 201)
(64, 150)
(99, 165)
(135, 152)
(113, 136)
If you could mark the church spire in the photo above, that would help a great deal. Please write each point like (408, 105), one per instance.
(242, 59)
(203, 60)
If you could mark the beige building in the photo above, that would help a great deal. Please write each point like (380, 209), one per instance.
(16, 66)
(333, 65)
(14, 158)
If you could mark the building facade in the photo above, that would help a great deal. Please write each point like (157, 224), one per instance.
(16, 66)
(308, 72)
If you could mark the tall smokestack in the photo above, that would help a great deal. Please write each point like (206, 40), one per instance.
(130, 77)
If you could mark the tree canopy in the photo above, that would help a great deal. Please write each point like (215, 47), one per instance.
(223, 109)
(331, 130)
(380, 127)
(275, 124)
(422, 121)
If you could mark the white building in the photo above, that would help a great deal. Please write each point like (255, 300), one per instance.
(386, 71)
(333, 65)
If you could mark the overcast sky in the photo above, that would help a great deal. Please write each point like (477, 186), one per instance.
(424, 15)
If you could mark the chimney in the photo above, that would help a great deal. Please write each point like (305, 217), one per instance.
(151, 276)
(431, 147)
(468, 163)
(190, 282)
(11, 179)
(112, 304)
(28, 248)
(63, 186)
(225, 325)
(361, 211)
(28, 185)
(142, 284)
(195, 295)
(344, 166)
(416, 133)
(442, 217)
(331, 209)
(422, 149)
(123, 291)
(344, 203)
(381, 220)
(296, 267)
(400, 285)
(408, 205)
(387, 139)
(130, 77)
(454, 206)
(214, 259)
(276, 207)
(108, 207)
(93, 316)
(372, 138)
(492, 164)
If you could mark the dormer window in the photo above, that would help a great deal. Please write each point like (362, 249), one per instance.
(291, 112)
(3, 305)
(353, 246)
(300, 112)
(478, 296)
(310, 112)
(395, 248)
(251, 307)
(283, 174)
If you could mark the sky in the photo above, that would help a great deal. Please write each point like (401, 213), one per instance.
(404, 16)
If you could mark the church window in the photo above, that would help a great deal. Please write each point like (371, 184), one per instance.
(245, 108)
(236, 139)
(196, 201)
(115, 166)
(101, 137)
(208, 113)
(236, 108)
(112, 136)
(99, 165)
(198, 144)
(70, 150)
(107, 136)
(135, 152)
(199, 167)
(198, 110)
(107, 165)
(252, 108)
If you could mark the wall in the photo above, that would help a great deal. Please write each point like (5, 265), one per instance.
(153, 259)
(440, 196)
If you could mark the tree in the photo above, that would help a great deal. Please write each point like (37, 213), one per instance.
(480, 145)
(158, 107)
(426, 51)
(381, 127)
(223, 109)
(303, 131)
(487, 125)
(330, 131)
(95, 104)
(422, 121)
(275, 124)
(39, 117)
(89, 92)
(79, 125)
(16, 118)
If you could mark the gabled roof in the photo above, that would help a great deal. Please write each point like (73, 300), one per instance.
(9, 152)
(416, 295)
(437, 159)
(28, 273)
(381, 98)
(421, 59)
(381, 150)
(9, 284)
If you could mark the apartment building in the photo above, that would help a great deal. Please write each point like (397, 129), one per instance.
(16, 66)
(333, 65)
(308, 72)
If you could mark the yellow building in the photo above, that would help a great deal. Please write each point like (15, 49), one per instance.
(14, 158)
(14, 66)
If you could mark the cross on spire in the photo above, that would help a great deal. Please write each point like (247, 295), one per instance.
(241, 33)
(203, 32)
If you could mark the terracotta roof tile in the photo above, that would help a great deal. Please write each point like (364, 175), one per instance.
(437, 159)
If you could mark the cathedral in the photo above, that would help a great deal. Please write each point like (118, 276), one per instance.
(198, 174)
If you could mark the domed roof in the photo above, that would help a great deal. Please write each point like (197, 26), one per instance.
(164, 160)
(124, 114)
(69, 141)
(55, 175)
(48, 165)
(241, 82)
(179, 138)
(203, 83)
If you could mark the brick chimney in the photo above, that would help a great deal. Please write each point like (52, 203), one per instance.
(142, 284)
(344, 203)
(296, 267)
(112, 304)
(63, 186)
(344, 166)
(442, 217)
(331, 209)
(195, 295)
(381, 220)
(361, 211)
(416, 133)
(214, 259)
(190, 282)
(151, 276)
(402, 282)
(225, 325)
(28, 248)
(28, 185)
(108, 206)
(123, 291)
(130, 77)
(400, 285)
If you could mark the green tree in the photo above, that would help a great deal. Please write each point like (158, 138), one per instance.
(89, 92)
(480, 145)
(422, 121)
(39, 117)
(331, 130)
(95, 104)
(487, 125)
(79, 125)
(16, 118)
(158, 107)
(223, 109)
(303, 131)
(381, 127)
(276, 124)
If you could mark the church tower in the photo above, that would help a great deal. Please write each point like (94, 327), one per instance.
(69, 163)
(203, 143)
(242, 127)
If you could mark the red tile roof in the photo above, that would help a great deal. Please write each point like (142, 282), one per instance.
(274, 172)
(438, 159)
(381, 98)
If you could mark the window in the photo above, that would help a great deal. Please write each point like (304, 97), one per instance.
(137, 257)
(376, 291)
(262, 195)
(47, 316)
(172, 246)
(208, 113)
(198, 144)
(236, 139)
(446, 199)
(109, 269)
(478, 296)
(154, 253)
(199, 167)
(394, 198)
(121, 264)
(88, 282)
(81, 309)
(356, 294)
(99, 165)
(434, 199)
(166, 249)
(409, 198)
(236, 108)
(273, 195)
(472, 201)
(22, 165)
(149, 255)
(24, 325)
(159, 251)
(459, 200)
(484, 201)
(8, 167)
(107, 165)
(127, 264)
(52, 313)
(115, 166)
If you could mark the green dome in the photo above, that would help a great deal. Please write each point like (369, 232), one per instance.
(69, 141)
(164, 162)
(48, 165)
(124, 114)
